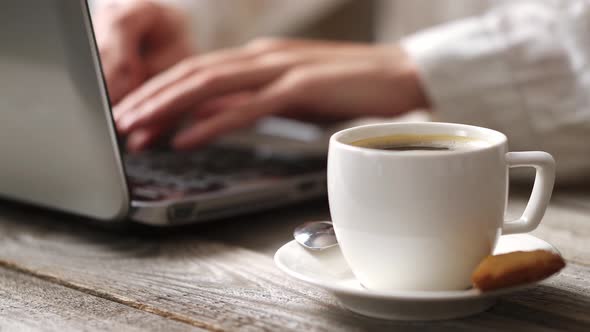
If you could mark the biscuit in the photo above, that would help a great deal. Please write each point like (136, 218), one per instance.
(515, 268)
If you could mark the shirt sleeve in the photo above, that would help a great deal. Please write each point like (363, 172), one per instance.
(522, 69)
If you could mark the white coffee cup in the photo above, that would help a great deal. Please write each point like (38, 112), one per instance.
(416, 220)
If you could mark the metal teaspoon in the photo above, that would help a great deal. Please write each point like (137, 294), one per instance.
(316, 235)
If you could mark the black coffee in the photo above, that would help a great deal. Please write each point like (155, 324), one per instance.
(420, 143)
(411, 148)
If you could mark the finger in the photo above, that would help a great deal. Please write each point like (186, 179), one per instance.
(177, 73)
(124, 77)
(271, 100)
(205, 131)
(216, 59)
(142, 138)
(201, 87)
(122, 67)
(221, 104)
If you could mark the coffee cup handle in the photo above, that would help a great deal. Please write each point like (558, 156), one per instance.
(544, 164)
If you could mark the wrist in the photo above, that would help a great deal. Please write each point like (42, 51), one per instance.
(405, 76)
(416, 88)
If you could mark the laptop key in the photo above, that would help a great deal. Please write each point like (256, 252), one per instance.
(207, 170)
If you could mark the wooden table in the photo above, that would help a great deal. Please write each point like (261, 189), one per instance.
(57, 273)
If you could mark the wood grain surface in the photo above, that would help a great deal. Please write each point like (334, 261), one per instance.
(29, 303)
(221, 276)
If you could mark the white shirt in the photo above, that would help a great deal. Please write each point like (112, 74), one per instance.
(522, 68)
(519, 66)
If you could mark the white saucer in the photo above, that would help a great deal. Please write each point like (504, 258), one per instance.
(328, 269)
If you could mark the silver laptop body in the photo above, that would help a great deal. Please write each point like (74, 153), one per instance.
(59, 148)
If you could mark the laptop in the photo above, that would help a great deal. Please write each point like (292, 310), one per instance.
(59, 148)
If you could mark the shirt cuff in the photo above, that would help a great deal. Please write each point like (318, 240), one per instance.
(467, 77)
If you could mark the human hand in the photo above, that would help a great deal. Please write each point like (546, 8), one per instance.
(230, 89)
(136, 40)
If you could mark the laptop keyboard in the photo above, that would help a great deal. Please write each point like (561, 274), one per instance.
(163, 174)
